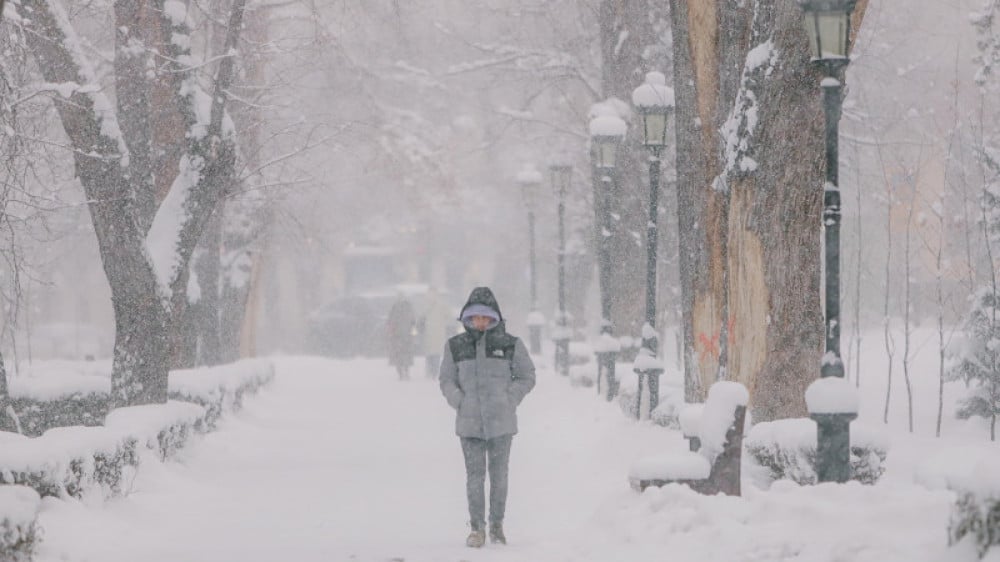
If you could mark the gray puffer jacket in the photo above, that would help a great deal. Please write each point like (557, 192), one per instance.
(484, 376)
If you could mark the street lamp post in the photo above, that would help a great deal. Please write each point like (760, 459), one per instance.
(561, 175)
(828, 24)
(654, 101)
(606, 133)
(530, 179)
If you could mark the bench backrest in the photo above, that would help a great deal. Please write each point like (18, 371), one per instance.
(721, 434)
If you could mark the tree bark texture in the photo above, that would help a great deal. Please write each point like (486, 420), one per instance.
(6, 422)
(224, 255)
(139, 365)
(117, 180)
(750, 183)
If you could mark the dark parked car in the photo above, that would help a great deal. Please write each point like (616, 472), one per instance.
(354, 325)
(350, 326)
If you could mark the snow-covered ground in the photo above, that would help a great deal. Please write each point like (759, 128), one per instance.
(338, 460)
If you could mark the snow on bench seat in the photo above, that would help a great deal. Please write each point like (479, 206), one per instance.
(716, 466)
(666, 466)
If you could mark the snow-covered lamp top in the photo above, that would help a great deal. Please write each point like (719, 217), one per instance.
(607, 126)
(831, 395)
(606, 133)
(655, 101)
(529, 179)
(828, 25)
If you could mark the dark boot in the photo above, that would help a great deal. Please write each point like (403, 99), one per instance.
(496, 533)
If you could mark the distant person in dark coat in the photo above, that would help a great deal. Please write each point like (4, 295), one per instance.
(400, 335)
(485, 373)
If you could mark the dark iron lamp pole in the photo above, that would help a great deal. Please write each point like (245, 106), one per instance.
(654, 102)
(606, 133)
(530, 179)
(828, 25)
(561, 175)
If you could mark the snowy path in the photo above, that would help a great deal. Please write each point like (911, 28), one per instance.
(340, 461)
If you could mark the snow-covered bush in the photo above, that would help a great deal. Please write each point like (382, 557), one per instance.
(164, 428)
(667, 412)
(629, 348)
(787, 450)
(977, 359)
(222, 388)
(976, 517)
(973, 473)
(37, 416)
(18, 523)
(580, 353)
(73, 461)
(671, 398)
(62, 399)
(68, 461)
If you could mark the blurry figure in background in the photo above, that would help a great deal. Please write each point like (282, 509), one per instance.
(436, 323)
(401, 329)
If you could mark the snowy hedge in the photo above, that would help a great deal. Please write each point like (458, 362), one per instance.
(973, 473)
(34, 417)
(975, 517)
(72, 461)
(64, 398)
(671, 398)
(68, 461)
(787, 449)
(220, 389)
(18, 523)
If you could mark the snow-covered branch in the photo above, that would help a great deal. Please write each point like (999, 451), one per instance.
(206, 169)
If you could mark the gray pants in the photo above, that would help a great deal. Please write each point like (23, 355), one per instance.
(478, 452)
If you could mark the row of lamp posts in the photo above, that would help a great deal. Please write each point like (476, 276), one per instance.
(654, 101)
(828, 24)
(530, 179)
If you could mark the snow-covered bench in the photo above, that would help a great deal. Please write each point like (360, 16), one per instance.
(715, 467)
(18, 523)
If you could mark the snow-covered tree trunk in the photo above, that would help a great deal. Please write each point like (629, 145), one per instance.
(199, 332)
(749, 214)
(6, 423)
(908, 302)
(887, 338)
(102, 163)
(145, 257)
(706, 73)
(244, 225)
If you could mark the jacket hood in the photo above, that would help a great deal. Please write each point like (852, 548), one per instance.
(483, 296)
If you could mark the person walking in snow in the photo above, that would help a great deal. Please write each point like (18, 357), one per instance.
(485, 373)
(400, 328)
